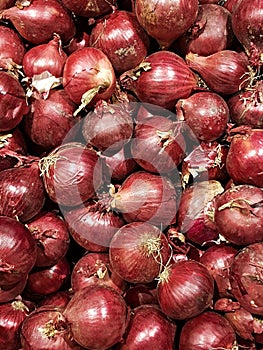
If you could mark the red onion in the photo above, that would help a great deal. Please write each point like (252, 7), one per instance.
(196, 209)
(225, 72)
(51, 236)
(210, 33)
(207, 331)
(45, 57)
(49, 279)
(13, 104)
(12, 315)
(9, 293)
(229, 5)
(244, 161)
(18, 251)
(6, 4)
(46, 328)
(158, 144)
(161, 79)
(122, 39)
(246, 107)
(246, 278)
(79, 41)
(166, 21)
(149, 329)
(146, 197)
(58, 299)
(70, 173)
(12, 146)
(185, 289)
(93, 225)
(205, 113)
(50, 121)
(97, 316)
(207, 161)
(86, 8)
(241, 208)
(21, 191)
(108, 127)
(37, 21)
(218, 260)
(88, 76)
(12, 48)
(138, 251)
(141, 294)
(94, 268)
(246, 19)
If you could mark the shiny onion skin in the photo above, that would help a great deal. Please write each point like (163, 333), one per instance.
(210, 330)
(50, 121)
(18, 251)
(161, 79)
(45, 57)
(246, 19)
(166, 21)
(9, 293)
(12, 48)
(210, 33)
(46, 328)
(241, 208)
(218, 260)
(97, 316)
(79, 41)
(138, 252)
(51, 236)
(22, 193)
(158, 144)
(39, 20)
(88, 72)
(146, 197)
(71, 173)
(185, 289)
(225, 72)
(246, 107)
(205, 113)
(122, 39)
(12, 315)
(86, 8)
(13, 104)
(244, 161)
(149, 328)
(195, 211)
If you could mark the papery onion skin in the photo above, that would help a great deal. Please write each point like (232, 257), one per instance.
(246, 278)
(86, 69)
(97, 316)
(161, 79)
(218, 260)
(13, 104)
(93, 8)
(45, 57)
(225, 72)
(244, 161)
(166, 21)
(241, 208)
(158, 144)
(185, 289)
(207, 331)
(138, 251)
(71, 174)
(149, 328)
(22, 192)
(210, 33)
(146, 197)
(122, 39)
(18, 251)
(12, 48)
(46, 328)
(38, 21)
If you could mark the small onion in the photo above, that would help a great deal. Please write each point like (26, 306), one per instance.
(80, 40)
(12, 48)
(138, 251)
(58, 299)
(9, 293)
(97, 316)
(185, 289)
(89, 8)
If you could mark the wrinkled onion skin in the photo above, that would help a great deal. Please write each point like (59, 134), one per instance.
(207, 331)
